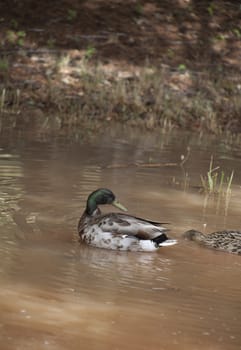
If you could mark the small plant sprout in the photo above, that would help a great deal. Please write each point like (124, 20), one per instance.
(90, 51)
(21, 35)
(51, 43)
(2, 99)
(139, 9)
(14, 23)
(72, 14)
(4, 64)
(237, 32)
(210, 9)
(182, 68)
(16, 37)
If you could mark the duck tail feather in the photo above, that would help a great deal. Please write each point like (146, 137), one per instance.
(163, 240)
(160, 239)
(168, 242)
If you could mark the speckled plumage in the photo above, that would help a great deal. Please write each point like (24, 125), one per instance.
(117, 230)
(227, 240)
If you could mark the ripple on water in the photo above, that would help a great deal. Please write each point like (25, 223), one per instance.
(58, 294)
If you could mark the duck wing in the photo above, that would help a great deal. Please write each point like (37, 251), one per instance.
(127, 225)
(155, 223)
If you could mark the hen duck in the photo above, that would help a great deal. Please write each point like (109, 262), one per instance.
(229, 241)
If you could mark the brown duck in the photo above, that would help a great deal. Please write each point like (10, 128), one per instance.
(229, 240)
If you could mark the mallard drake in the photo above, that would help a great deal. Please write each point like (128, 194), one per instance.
(229, 241)
(118, 230)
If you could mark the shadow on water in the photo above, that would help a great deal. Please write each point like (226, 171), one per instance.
(59, 294)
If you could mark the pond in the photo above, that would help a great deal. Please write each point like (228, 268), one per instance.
(59, 294)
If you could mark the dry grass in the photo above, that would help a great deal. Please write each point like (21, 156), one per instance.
(150, 97)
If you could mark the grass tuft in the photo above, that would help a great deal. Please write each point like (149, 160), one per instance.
(215, 182)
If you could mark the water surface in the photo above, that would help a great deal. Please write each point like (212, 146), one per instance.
(58, 294)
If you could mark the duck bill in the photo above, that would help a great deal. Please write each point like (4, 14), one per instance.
(119, 206)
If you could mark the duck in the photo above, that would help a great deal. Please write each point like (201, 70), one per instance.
(119, 231)
(226, 240)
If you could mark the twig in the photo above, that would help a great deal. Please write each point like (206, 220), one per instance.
(185, 158)
(141, 165)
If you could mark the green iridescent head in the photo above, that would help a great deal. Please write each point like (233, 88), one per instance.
(102, 196)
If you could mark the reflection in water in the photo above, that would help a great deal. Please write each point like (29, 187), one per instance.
(58, 294)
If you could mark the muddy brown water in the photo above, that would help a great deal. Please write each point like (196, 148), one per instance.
(58, 294)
